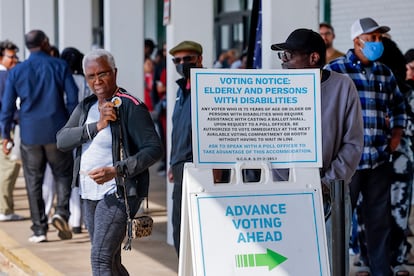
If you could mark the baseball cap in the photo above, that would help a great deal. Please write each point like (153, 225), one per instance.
(302, 40)
(187, 45)
(366, 25)
(409, 56)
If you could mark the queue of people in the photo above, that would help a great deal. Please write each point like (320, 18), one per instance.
(385, 118)
(99, 158)
(380, 182)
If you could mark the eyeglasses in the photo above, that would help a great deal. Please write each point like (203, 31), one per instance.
(326, 33)
(12, 57)
(98, 76)
(285, 55)
(185, 59)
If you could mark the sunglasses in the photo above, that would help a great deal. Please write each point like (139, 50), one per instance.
(185, 59)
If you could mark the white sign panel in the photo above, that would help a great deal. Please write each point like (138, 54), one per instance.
(256, 115)
(258, 234)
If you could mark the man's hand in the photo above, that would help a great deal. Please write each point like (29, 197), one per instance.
(396, 134)
(170, 176)
(108, 114)
(7, 146)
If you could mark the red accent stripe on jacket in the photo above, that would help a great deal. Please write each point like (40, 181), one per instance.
(133, 99)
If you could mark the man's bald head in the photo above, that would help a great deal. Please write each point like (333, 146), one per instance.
(35, 39)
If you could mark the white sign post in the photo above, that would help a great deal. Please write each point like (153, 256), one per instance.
(247, 119)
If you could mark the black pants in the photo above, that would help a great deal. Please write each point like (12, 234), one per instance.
(177, 171)
(374, 185)
(34, 159)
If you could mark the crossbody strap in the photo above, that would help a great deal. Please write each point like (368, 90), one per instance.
(128, 245)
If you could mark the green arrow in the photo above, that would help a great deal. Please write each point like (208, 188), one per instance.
(270, 259)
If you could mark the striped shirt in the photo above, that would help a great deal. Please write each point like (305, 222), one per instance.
(380, 97)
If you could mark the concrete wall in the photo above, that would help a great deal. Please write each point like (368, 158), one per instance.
(396, 14)
(11, 23)
(74, 21)
(280, 19)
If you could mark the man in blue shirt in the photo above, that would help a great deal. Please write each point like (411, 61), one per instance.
(48, 94)
(383, 111)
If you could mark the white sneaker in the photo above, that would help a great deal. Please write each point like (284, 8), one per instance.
(37, 239)
(10, 217)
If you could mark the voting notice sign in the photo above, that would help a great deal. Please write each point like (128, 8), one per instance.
(256, 115)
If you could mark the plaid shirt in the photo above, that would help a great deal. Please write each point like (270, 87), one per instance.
(380, 97)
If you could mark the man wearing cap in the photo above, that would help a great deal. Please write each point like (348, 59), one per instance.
(342, 127)
(186, 55)
(383, 115)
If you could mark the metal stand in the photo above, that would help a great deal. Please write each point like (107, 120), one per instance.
(338, 228)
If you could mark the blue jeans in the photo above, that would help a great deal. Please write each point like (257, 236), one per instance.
(106, 223)
(34, 158)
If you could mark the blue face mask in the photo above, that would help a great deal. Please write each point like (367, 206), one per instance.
(372, 50)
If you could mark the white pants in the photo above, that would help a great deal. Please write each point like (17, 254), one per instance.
(49, 190)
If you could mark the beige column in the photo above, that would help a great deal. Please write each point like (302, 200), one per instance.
(11, 23)
(124, 38)
(189, 20)
(75, 24)
(280, 19)
(40, 14)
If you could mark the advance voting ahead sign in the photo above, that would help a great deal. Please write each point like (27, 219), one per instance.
(256, 115)
(258, 234)
(269, 228)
